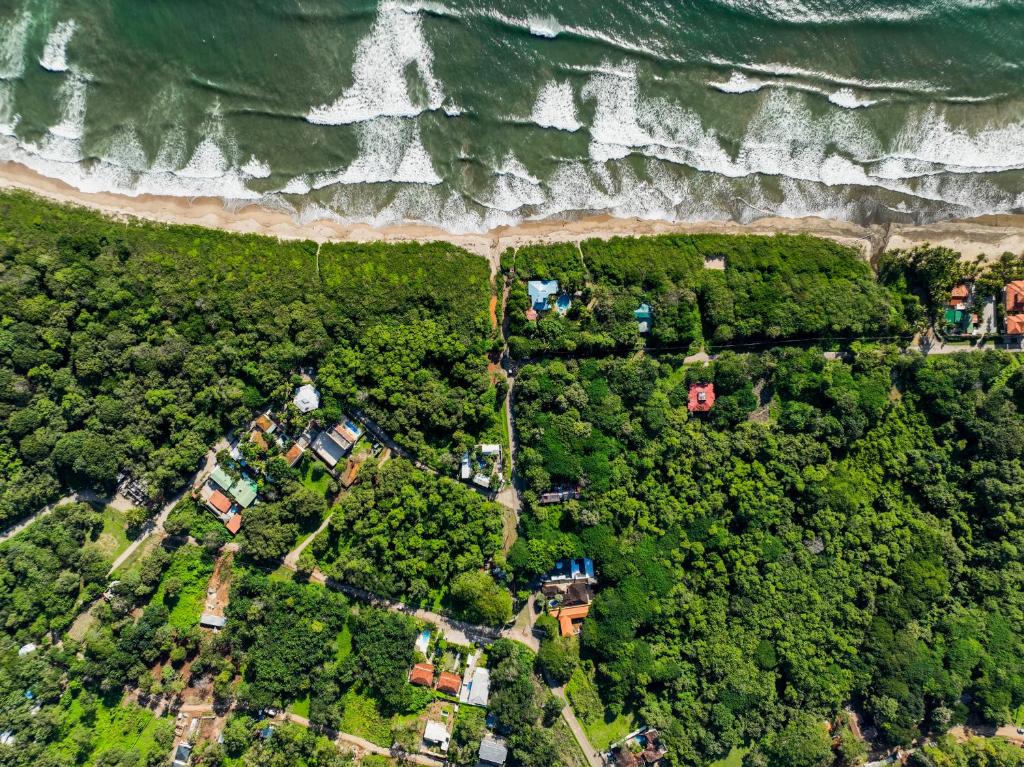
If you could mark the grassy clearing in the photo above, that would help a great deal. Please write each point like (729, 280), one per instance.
(300, 707)
(192, 567)
(506, 441)
(319, 485)
(344, 643)
(125, 728)
(132, 563)
(602, 728)
(733, 759)
(606, 731)
(113, 539)
(569, 749)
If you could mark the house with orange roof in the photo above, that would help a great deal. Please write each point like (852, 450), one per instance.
(449, 683)
(422, 674)
(294, 454)
(265, 423)
(219, 502)
(234, 524)
(1014, 304)
(702, 397)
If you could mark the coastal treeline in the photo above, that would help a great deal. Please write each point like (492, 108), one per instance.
(832, 533)
(131, 346)
(700, 289)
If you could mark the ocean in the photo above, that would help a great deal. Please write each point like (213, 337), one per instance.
(469, 114)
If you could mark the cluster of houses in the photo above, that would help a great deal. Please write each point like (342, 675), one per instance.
(472, 688)
(546, 295)
(971, 315)
(228, 492)
(482, 466)
(568, 592)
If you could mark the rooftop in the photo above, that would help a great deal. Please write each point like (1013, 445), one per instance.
(493, 751)
(1015, 297)
(436, 732)
(422, 674)
(702, 397)
(234, 524)
(220, 502)
(307, 398)
(479, 687)
(540, 291)
(212, 621)
(221, 478)
(294, 454)
(449, 683)
(264, 423)
(244, 491)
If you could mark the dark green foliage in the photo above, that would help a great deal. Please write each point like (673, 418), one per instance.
(382, 654)
(850, 540)
(284, 631)
(403, 531)
(136, 346)
(47, 572)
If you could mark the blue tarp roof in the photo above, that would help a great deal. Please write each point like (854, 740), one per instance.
(540, 291)
(643, 313)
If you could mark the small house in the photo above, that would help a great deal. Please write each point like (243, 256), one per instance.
(1015, 308)
(307, 398)
(294, 454)
(6, 738)
(572, 570)
(702, 397)
(219, 502)
(221, 478)
(642, 747)
(479, 687)
(449, 683)
(265, 423)
(643, 316)
(211, 621)
(960, 296)
(422, 674)
(182, 754)
(570, 619)
(244, 491)
(436, 734)
(540, 292)
(493, 751)
(234, 524)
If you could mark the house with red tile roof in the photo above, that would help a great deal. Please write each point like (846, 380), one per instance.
(294, 454)
(702, 397)
(234, 524)
(1015, 308)
(219, 502)
(422, 674)
(449, 683)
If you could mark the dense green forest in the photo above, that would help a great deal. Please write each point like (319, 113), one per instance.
(405, 532)
(701, 288)
(832, 532)
(136, 345)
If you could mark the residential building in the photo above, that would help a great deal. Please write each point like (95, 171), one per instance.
(294, 454)
(210, 621)
(257, 438)
(644, 317)
(333, 444)
(422, 674)
(449, 683)
(351, 472)
(702, 397)
(234, 524)
(479, 687)
(182, 754)
(642, 747)
(436, 734)
(572, 570)
(244, 492)
(560, 495)
(1014, 297)
(219, 502)
(307, 398)
(221, 478)
(265, 423)
(540, 292)
(493, 751)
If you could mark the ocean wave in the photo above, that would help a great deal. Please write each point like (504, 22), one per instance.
(544, 26)
(390, 150)
(13, 38)
(55, 52)
(822, 12)
(379, 87)
(555, 107)
(9, 118)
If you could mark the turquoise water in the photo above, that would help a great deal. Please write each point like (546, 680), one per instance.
(471, 115)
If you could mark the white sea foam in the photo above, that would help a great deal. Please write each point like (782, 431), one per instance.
(13, 37)
(55, 52)
(738, 83)
(379, 87)
(544, 26)
(555, 107)
(256, 168)
(846, 98)
(390, 150)
(9, 118)
(815, 12)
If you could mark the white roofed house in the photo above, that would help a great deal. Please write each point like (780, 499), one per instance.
(307, 398)
(436, 734)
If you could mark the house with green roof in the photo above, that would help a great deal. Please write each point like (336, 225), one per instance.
(221, 478)
(244, 492)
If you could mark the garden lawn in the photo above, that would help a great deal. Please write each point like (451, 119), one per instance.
(193, 567)
(733, 759)
(319, 486)
(362, 718)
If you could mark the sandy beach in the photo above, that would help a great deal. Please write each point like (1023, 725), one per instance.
(986, 236)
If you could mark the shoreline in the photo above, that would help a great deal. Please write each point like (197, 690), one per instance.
(988, 235)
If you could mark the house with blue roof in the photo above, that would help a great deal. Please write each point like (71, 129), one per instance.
(643, 317)
(540, 292)
(577, 569)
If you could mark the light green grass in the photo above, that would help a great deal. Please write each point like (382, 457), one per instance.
(318, 486)
(282, 574)
(506, 441)
(113, 539)
(604, 732)
(362, 718)
(135, 560)
(1018, 716)
(344, 643)
(300, 707)
(128, 728)
(193, 567)
(733, 759)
